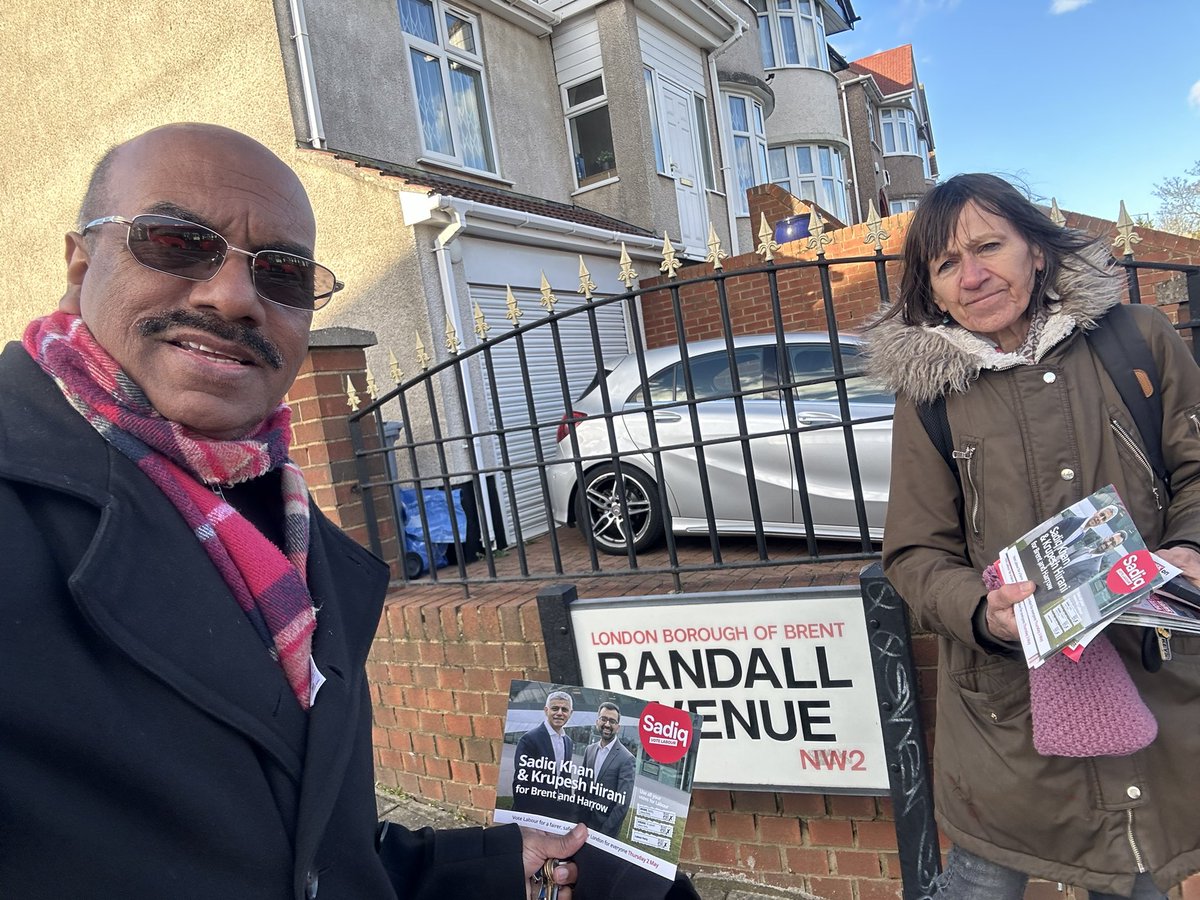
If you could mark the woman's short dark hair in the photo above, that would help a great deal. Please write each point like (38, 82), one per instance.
(933, 226)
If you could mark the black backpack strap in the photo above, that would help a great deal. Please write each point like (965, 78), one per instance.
(1127, 358)
(937, 426)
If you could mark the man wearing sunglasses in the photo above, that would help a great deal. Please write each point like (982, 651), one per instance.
(182, 633)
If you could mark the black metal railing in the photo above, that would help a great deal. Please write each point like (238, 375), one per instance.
(508, 462)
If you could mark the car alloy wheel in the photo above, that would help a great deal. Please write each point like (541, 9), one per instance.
(600, 504)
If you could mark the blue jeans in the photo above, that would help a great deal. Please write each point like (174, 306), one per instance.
(969, 877)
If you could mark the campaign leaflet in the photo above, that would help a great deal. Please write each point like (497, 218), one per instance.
(621, 765)
(1089, 563)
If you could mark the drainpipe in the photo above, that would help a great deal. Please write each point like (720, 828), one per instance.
(842, 85)
(727, 175)
(442, 252)
(308, 76)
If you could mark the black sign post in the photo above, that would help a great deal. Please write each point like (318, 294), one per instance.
(554, 610)
(903, 734)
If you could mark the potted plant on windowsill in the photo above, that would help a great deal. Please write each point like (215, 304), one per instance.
(604, 161)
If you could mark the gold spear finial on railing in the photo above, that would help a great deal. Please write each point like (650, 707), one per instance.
(715, 253)
(514, 312)
(481, 325)
(1126, 236)
(766, 240)
(817, 238)
(452, 342)
(372, 388)
(1056, 215)
(423, 359)
(876, 233)
(670, 264)
(548, 299)
(586, 285)
(627, 276)
(394, 368)
(351, 395)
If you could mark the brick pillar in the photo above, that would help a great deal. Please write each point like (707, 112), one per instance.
(321, 443)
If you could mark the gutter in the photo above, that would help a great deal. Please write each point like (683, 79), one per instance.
(308, 76)
(527, 228)
(527, 15)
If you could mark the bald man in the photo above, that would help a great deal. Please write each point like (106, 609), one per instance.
(176, 720)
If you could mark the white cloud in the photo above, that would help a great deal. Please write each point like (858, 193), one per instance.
(1194, 96)
(1058, 7)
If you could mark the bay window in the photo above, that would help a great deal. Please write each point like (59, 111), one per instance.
(792, 33)
(899, 131)
(749, 146)
(814, 172)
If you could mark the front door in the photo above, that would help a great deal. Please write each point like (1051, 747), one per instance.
(683, 165)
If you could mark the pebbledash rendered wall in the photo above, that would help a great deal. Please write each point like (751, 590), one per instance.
(441, 664)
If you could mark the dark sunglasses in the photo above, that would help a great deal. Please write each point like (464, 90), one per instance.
(187, 250)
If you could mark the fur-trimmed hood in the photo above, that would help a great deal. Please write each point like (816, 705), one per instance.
(922, 362)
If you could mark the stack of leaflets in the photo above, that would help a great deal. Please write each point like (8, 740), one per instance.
(619, 764)
(1091, 568)
(1173, 607)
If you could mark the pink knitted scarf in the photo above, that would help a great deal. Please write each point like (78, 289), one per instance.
(269, 587)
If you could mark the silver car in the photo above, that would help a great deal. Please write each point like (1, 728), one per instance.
(584, 441)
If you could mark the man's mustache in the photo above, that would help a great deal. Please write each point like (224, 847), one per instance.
(247, 337)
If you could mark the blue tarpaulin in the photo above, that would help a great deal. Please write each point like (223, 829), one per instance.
(437, 518)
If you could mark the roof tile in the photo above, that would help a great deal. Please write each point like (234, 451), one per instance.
(892, 69)
(492, 196)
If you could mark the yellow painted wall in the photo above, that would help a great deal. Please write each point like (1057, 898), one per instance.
(76, 78)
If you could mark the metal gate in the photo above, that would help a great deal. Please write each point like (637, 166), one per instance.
(616, 472)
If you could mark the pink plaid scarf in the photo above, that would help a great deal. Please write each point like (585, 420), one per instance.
(270, 588)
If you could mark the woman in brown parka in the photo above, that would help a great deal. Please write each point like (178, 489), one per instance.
(994, 304)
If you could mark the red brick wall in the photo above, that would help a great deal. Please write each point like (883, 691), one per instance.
(321, 443)
(1163, 289)
(440, 670)
(854, 286)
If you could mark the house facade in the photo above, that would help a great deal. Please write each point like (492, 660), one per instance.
(887, 119)
(455, 151)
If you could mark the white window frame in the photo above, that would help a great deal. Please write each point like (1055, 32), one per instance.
(756, 136)
(924, 151)
(656, 129)
(446, 53)
(573, 112)
(907, 204)
(825, 186)
(707, 163)
(777, 17)
(900, 124)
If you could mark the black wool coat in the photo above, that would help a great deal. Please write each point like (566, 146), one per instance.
(149, 746)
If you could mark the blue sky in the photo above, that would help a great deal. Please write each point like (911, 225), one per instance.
(1090, 104)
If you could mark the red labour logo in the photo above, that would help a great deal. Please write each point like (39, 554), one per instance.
(665, 732)
(1131, 572)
